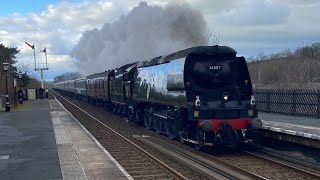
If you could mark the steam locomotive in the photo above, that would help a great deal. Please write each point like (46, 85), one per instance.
(201, 95)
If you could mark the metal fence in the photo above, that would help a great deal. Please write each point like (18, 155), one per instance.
(296, 102)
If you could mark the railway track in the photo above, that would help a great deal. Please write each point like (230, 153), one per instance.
(136, 161)
(307, 165)
(251, 165)
(236, 165)
(203, 165)
(266, 167)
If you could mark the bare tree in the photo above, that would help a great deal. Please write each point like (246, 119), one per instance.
(297, 68)
(213, 38)
(26, 69)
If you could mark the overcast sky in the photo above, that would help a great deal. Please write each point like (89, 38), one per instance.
(249, 26)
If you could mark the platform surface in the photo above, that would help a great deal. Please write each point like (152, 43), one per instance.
(298, 126)
(28, 147)
(41, 140)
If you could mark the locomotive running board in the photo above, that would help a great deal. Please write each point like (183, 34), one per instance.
(162, 116)
(196, 142)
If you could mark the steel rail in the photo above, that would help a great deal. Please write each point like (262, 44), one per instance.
(300, 163)
(317, 176)
(206, 163)
(280, 163)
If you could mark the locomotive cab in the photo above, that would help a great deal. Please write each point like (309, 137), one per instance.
(219, 96)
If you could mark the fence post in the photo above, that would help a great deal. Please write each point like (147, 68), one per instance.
(294, 105)
(268, 101)
(318, 104)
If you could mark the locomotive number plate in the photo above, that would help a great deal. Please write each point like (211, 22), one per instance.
(214, 67)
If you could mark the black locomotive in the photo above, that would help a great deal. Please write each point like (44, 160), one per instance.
(202, 95)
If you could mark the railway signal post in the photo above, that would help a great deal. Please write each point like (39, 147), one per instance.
(42, 66)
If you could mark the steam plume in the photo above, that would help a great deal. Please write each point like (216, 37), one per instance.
(146, 32)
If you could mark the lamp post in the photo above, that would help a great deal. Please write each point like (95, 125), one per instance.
(5, 69)
(20, 82)
(14, 92)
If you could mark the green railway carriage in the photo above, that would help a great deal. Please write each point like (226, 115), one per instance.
(81, 86)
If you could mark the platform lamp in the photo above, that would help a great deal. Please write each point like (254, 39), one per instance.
(5, 69)
(20, 82)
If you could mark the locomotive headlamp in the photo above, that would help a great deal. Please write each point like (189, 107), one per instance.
(252, 100)
(197, 103)
(196, 114)
(225, 97)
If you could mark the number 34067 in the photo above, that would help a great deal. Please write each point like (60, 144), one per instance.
(215, 67)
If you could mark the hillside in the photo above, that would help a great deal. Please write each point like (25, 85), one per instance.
(299, 68)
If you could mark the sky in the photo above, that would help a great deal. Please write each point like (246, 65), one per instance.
(74, 31)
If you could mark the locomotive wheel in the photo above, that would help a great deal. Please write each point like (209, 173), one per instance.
(138, 116)
(158, 124)
(114, 110)
(166, 127)
(109, 108)
(172, 129)
(148, 119)
(181, 136)
(129, 115)
(239, 141)
(119, 110)
(200, 138)
(198, 146)
(122, 111)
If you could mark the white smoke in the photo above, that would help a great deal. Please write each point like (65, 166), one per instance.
(146, 32)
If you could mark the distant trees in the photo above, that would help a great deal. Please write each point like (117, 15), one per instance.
(7, 54)
(27, 75)
(67, 76)
(287, 69)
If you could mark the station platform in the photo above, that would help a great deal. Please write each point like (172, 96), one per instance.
(300, 130)
(42, 140)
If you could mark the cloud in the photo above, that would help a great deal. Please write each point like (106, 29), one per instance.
(3, 32)
(253, 13)
(57, 27)
(302, 3)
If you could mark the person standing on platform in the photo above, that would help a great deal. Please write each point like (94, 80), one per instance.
(46, 93)
(41, 92)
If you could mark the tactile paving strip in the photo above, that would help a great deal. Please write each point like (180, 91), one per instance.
(59, 131)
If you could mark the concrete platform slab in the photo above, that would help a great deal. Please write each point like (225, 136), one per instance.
(301, 130)
(42, 140)
(293, 129)
(298, 126)
(84, 151)
(27, 143)
(303, 121)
